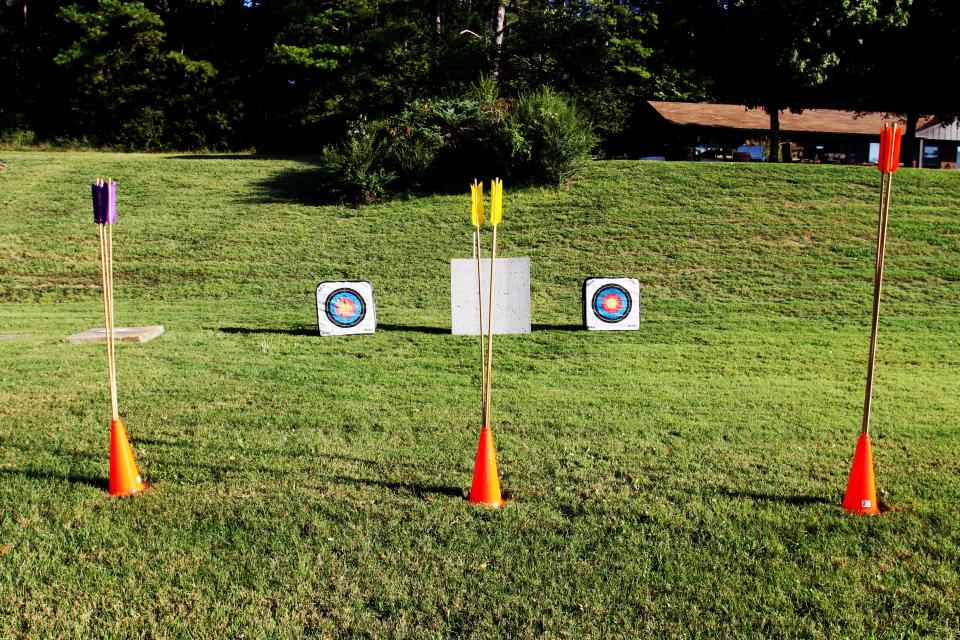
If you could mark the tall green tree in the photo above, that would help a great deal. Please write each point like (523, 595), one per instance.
(595, 51)
(907, 63)
(123, 73)
(775, 55)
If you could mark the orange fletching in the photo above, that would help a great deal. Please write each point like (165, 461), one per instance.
(883, 160)
(895, 151)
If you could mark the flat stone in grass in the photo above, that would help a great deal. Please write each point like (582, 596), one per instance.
(120, 334)
(12, 336)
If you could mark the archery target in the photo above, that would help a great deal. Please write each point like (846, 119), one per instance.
(345, 308)
(611, 304)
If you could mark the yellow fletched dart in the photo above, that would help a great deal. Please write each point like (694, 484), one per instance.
(496, 201)
(476, 211)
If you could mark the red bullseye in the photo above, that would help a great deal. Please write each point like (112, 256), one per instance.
(611, 303)
(345, 307)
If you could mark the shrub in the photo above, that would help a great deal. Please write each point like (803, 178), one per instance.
(355, 171)
(446, 141)
(18, 138)
(558, 136)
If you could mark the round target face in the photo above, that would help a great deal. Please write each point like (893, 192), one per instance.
(345, 308)
(611, 303)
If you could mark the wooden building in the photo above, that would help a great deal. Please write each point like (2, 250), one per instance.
(938, 145)
(685, 130)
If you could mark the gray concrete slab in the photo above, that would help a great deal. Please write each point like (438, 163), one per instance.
(511, 296)
(120, 334)
(12, 336)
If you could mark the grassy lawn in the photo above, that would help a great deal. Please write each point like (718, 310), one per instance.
(678, 481)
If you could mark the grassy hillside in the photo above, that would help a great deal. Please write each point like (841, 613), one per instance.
(678, 481)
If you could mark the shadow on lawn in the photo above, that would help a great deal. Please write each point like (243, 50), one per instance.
(413, 328)
(557, 327)
(416, 488)
(310, 330)
(46, 476)
(299, 185)
(770, 497)
(293, 186)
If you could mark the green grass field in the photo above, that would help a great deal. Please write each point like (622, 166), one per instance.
(679, 481)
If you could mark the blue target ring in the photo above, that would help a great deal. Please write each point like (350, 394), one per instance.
(611, 303)
(345, 308)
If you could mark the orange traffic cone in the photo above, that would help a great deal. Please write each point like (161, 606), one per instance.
(124, 475)
(861, 497)
(486, 482)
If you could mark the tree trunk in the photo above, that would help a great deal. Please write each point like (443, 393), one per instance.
(908, 147)
(498, 24)
(774, 134)
(436, 15)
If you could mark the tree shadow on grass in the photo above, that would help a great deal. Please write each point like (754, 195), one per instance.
(418, 489)
(293, 186)
(771, 497)
(46, 476)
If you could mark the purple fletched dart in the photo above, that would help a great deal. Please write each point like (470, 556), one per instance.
(99, 202)
(111, 202)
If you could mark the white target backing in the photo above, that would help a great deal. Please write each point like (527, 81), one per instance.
(611, 304)
(346, 308)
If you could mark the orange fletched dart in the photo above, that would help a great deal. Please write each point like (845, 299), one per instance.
(895, 148)
(883, 160)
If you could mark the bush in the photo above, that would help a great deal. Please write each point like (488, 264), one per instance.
(446, 142)
(18, 138)
(355, 172)
(443, 142)
(558, 136)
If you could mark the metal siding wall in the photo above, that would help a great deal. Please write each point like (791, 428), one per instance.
(939, 132)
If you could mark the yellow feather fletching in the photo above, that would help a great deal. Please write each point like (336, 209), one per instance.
(476, 210)
(496, 201)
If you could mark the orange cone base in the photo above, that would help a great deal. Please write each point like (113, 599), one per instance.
(486, 482)
(125, 477)
(861, 496)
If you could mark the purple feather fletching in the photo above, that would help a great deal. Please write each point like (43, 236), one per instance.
(111, 202)
(99, 203)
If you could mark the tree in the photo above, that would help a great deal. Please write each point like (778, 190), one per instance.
(775, 55)
(123, 75)
(906, 63)
(592, 51)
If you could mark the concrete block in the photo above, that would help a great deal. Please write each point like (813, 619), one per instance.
(511, 302)
(120, 334)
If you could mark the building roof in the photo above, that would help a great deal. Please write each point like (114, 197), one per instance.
(737, 116)
(934, 129)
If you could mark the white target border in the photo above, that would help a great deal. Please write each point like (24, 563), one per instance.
(630, 322)
(364, 289)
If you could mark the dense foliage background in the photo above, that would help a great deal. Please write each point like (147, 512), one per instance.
(292, 75)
